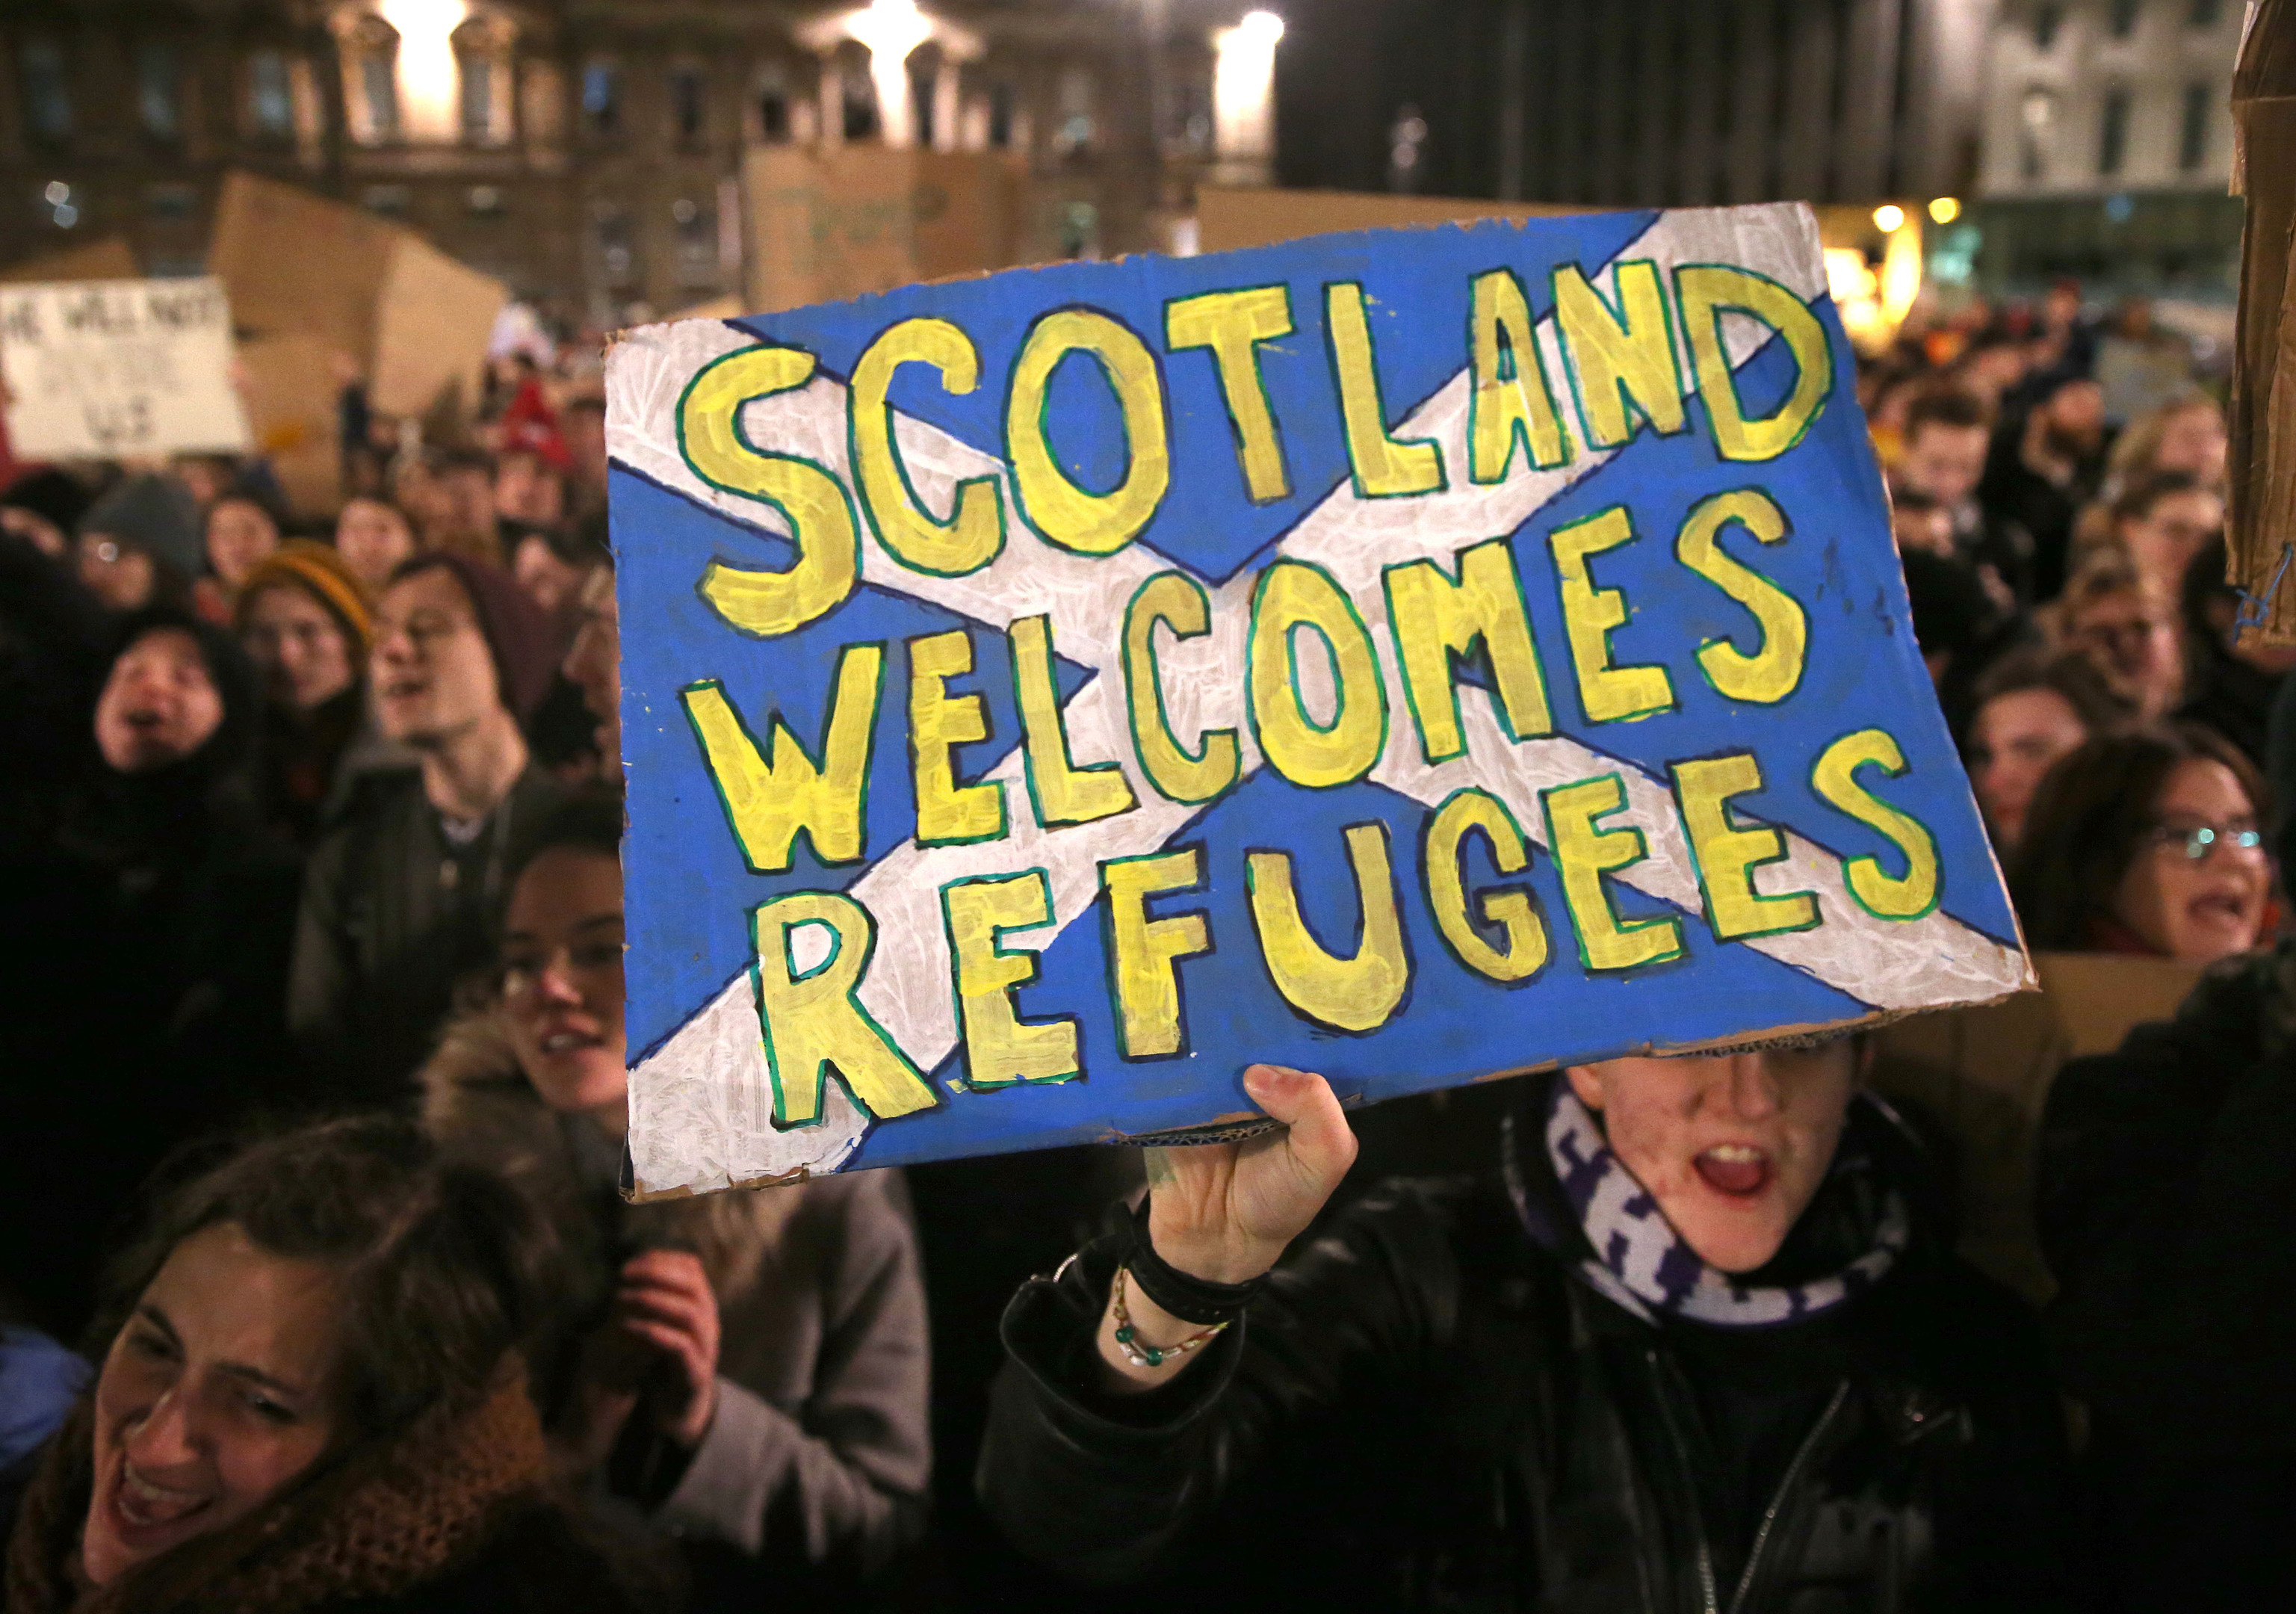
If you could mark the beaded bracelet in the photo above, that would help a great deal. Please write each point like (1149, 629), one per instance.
(1128, 1337)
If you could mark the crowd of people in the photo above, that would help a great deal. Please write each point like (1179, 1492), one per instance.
(319, 1290)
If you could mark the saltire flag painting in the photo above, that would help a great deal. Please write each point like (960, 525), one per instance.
(1409, 655)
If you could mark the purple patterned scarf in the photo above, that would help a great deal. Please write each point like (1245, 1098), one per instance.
(1644, 1265)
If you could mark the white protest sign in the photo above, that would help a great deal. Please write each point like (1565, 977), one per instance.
(107, 369)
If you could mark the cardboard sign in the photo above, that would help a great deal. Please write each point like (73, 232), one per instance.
(113, 368)
(838, 222)
(1412, 655)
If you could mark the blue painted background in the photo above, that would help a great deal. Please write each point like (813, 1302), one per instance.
(689, 893)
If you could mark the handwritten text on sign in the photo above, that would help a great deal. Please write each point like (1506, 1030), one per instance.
(1412, 656)
(102, 369)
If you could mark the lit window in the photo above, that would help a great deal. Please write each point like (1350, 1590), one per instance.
(601, 97)
(370, 51)
(159, 90)
(270, 96)
(2192, 133)
(2113, 133)
(47, 91)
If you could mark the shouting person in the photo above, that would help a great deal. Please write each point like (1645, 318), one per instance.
(1697, 1340)
(401, 897)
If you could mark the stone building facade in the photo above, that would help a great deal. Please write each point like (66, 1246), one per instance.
(586, 151)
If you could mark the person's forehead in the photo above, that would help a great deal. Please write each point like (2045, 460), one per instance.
(2203, 783)
(172, 646)
(284, 601)
(433, 588)
(228, 1298)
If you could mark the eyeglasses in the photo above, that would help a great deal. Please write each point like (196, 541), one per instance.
(2198, 842)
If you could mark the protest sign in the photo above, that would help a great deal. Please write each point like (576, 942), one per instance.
(1410, 655)
(118, 368)
(840, 221)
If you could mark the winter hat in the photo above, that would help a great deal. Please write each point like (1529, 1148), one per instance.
(156, 514)
(55, 496)
(517, 634)
(228, 669)
(318, 571)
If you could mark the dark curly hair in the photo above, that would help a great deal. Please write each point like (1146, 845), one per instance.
(2089, 816)
(445, 1269)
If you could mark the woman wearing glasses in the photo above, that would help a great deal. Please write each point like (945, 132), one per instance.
(2146, 843)
(747, 1370)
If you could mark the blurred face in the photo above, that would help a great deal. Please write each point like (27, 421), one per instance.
(526, 491)
(594, 664)
(585, 440)
(218, 1393)
(2192, 441)
(118, 574)
(562, 983)
(2205, 907)
(548, 581)
(433, 675)
(1732, 1146)
(2132, 641)
(2164, 539)
(1930, 531)
(2076, 412)
(240, 533)
(1944, 462)
(467, 497)
(2011, 743)
(159, 706)
(304, 653)
(1993, 371)
(373, 538)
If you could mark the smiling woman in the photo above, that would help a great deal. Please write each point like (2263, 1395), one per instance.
(314, 1395)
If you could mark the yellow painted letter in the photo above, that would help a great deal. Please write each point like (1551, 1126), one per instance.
(1913, 894)
(1434, 619)
(1359, 993)
(1291, 595)
(1063, 793)
(1622, 358)
(1510, 908)
(771, 794)
(813, 502)
(949, 813)
(1233, 324)
(1727, 853)
(1608, 693)
(1511, 399)
(1705, 290)
(1583, 854)
(1385, 467)
(1143, 951)
(1771, 672)
(1000, 1047)
(1177, 600)
(814, 1018)
(1072, 517)
(917, 539)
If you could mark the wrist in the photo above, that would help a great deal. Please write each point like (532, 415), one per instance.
(1188, 1290)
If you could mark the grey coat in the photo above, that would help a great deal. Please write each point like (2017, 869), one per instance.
(818, 1458)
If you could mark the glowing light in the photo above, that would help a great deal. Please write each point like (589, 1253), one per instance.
(1945, 210)
(429, 77)
(891, 29)
(1889, 216)
(1243, 87)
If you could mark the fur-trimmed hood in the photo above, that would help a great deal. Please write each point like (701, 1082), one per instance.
(480, 1107)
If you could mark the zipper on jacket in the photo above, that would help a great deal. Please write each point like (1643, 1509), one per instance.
(1801, 1457)
(1709, 1596)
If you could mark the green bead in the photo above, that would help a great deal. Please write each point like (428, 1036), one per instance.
(1124, 1335)
(1155, 1357)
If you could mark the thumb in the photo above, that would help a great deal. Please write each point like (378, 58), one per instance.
(1319, 1141)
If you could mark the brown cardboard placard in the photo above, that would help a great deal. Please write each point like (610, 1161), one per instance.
(1242, 216)
(111, 258)
(826, 223)
(1984, 1073)
(2262, 469)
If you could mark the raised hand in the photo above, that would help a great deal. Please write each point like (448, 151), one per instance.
(1224, 1212)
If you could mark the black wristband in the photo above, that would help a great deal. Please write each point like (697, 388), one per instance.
(1192, 1299)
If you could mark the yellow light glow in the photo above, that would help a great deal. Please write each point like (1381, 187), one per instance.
(1243, 86)
(891, 29)
(1945, 210)
(1888, 216)
(428, 74)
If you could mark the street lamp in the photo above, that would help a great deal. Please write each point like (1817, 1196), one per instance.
(891, 29)
(428, 73)
(1243, 95)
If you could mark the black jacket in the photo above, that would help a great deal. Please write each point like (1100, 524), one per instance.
(2166, 1179)
(1426, 1410)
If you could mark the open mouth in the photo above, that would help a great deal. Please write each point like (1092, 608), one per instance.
(138, 1505)
(566, 1042)
(1739, 1170)
(2227, 908)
